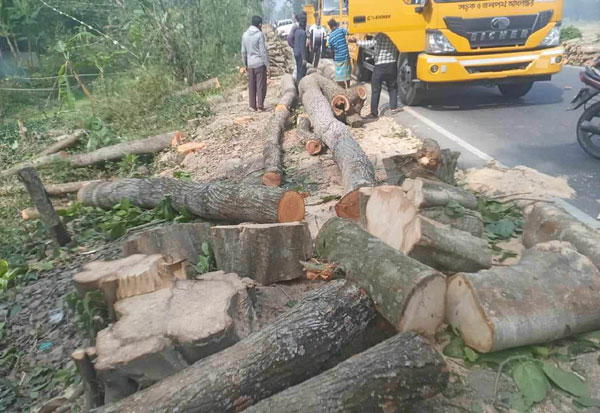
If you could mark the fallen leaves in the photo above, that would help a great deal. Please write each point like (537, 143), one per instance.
(318, 271)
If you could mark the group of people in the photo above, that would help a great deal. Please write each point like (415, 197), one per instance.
(307, 45)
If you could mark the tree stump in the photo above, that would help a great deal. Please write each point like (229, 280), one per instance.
(58, 232)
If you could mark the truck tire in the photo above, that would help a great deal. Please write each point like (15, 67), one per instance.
(515, 90)
(409, 92)
(360, 71)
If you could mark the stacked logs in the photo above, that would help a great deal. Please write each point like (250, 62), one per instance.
(281, 59)
(579, 52)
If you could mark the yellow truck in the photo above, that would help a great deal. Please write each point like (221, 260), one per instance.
(508, 43)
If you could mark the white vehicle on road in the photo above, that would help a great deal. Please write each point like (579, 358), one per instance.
(284, 27)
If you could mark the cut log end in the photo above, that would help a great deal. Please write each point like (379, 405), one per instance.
(271, 179)
(463, 310)
(314, 147)
(291, 207)
(362, 92)
(340, 104)
(349, 207)
(424, 310)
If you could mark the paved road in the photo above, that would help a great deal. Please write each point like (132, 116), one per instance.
(534, 131)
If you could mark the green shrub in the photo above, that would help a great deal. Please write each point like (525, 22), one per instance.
(570, 32)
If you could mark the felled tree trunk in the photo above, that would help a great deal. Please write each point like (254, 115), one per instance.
(469, 221)
(34, 163)
(51, 189)
(393, 374)
(407, 293)
(356, 169)
(552, 293)
(425, 193)
(199, 87)
(547, 222)
(345, 103)
(267, 253)
(392, 217)
(226, 202)
(275, 129)
(312, 143)
(66, 142)
(300, 344)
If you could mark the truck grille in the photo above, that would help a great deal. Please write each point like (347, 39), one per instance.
(501, 31)
(497, 68)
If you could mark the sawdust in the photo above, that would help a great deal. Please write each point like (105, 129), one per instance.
(518, 183)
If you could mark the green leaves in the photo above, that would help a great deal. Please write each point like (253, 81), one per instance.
(566, 380)
(206, 261)
(502, 220)
(502, 229)
(531, 381)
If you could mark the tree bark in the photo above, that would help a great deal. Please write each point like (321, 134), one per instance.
(267, 253)
(547, 222)
(552, 293)
(51, 189)
(471, 221)
(447, 170)
(425, 193)
(94, 396)
(392, 217)
(272, 152)
(344, 102)
(312, 143)
(354, 165)
(34, 163)
(66, 142)
(58, 232)
(226, 202)
(301, 343)
(199, 87)
(407, 293)
(385, 378)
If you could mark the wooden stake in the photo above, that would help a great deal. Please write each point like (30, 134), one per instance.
(94, 397)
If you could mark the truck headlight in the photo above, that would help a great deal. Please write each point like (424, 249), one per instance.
(437, 43)
(552, 38)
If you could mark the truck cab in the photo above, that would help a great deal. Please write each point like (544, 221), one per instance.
(508, 43)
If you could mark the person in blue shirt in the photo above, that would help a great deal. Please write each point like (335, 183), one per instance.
(341, 57)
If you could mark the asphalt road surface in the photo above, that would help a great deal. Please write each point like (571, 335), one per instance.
(534, 131)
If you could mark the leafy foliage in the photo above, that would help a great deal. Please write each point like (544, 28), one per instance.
(570, 32)
(206, 261)
(91, 311)
(502, 220)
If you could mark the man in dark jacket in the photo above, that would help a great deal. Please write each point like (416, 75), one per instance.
(256, 62)
(300, 50)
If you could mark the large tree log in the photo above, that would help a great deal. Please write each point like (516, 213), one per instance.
(275, 129)
(356, 169)
(29, 177)
(546, 222)
(267, 253)
(234, 203)
(407, 293)
(34, 163)
(63, 142)
(425, 193)
(388, 377)
(51, 189)
(300, 344)
(552, 293)
(393, 218)
(344, 102)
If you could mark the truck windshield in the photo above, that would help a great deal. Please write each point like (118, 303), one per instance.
(331, 7)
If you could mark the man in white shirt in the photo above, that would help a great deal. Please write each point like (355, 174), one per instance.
(316, 34)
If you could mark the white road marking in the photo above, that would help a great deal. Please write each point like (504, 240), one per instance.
(574, 211)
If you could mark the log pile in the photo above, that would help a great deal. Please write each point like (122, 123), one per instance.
(346, 104)
(581, 53)
(281, 59)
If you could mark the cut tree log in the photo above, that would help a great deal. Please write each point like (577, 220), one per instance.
(161, 333)
(58, 232)
(29, 214)
(51, 189)
(469, 220)
(199, 87)
(425, 193)
(552, 293)
(94, 396)
(390, 216)
(355, 167)
(267, 253)
(547, 222)
(393, 374)
(429, 162)
(34, 163)
(63, 142)
(407, 293)
(226, 202)
(176, 242)
(273, 174)
(346, 104)
(312, 143)
(298, 345)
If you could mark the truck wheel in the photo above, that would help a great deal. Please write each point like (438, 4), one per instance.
(515, 90)
(360, 71)
(409, 92)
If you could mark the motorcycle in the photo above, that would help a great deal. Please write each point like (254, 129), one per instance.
(588, 126)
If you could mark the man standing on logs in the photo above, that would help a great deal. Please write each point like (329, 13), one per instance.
(256, 62)
(341, 57)
(385, 70)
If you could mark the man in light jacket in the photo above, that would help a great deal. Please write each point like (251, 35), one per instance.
(256, 61)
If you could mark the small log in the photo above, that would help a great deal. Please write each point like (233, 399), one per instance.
(29, 214)
(199, 87)
(267, 253)
(51, 189)
(58, 232)
(94, 397)
(272, 151)
(425, 193)
(546, 222)
(407, 293)
(312, 143)
(298, 345)
(355, 167)
(226, 202)
(447, 170)
(64, 142)
(34, 163)
(552, 293)
(390, 216)
(393, 374)
(470, 221)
